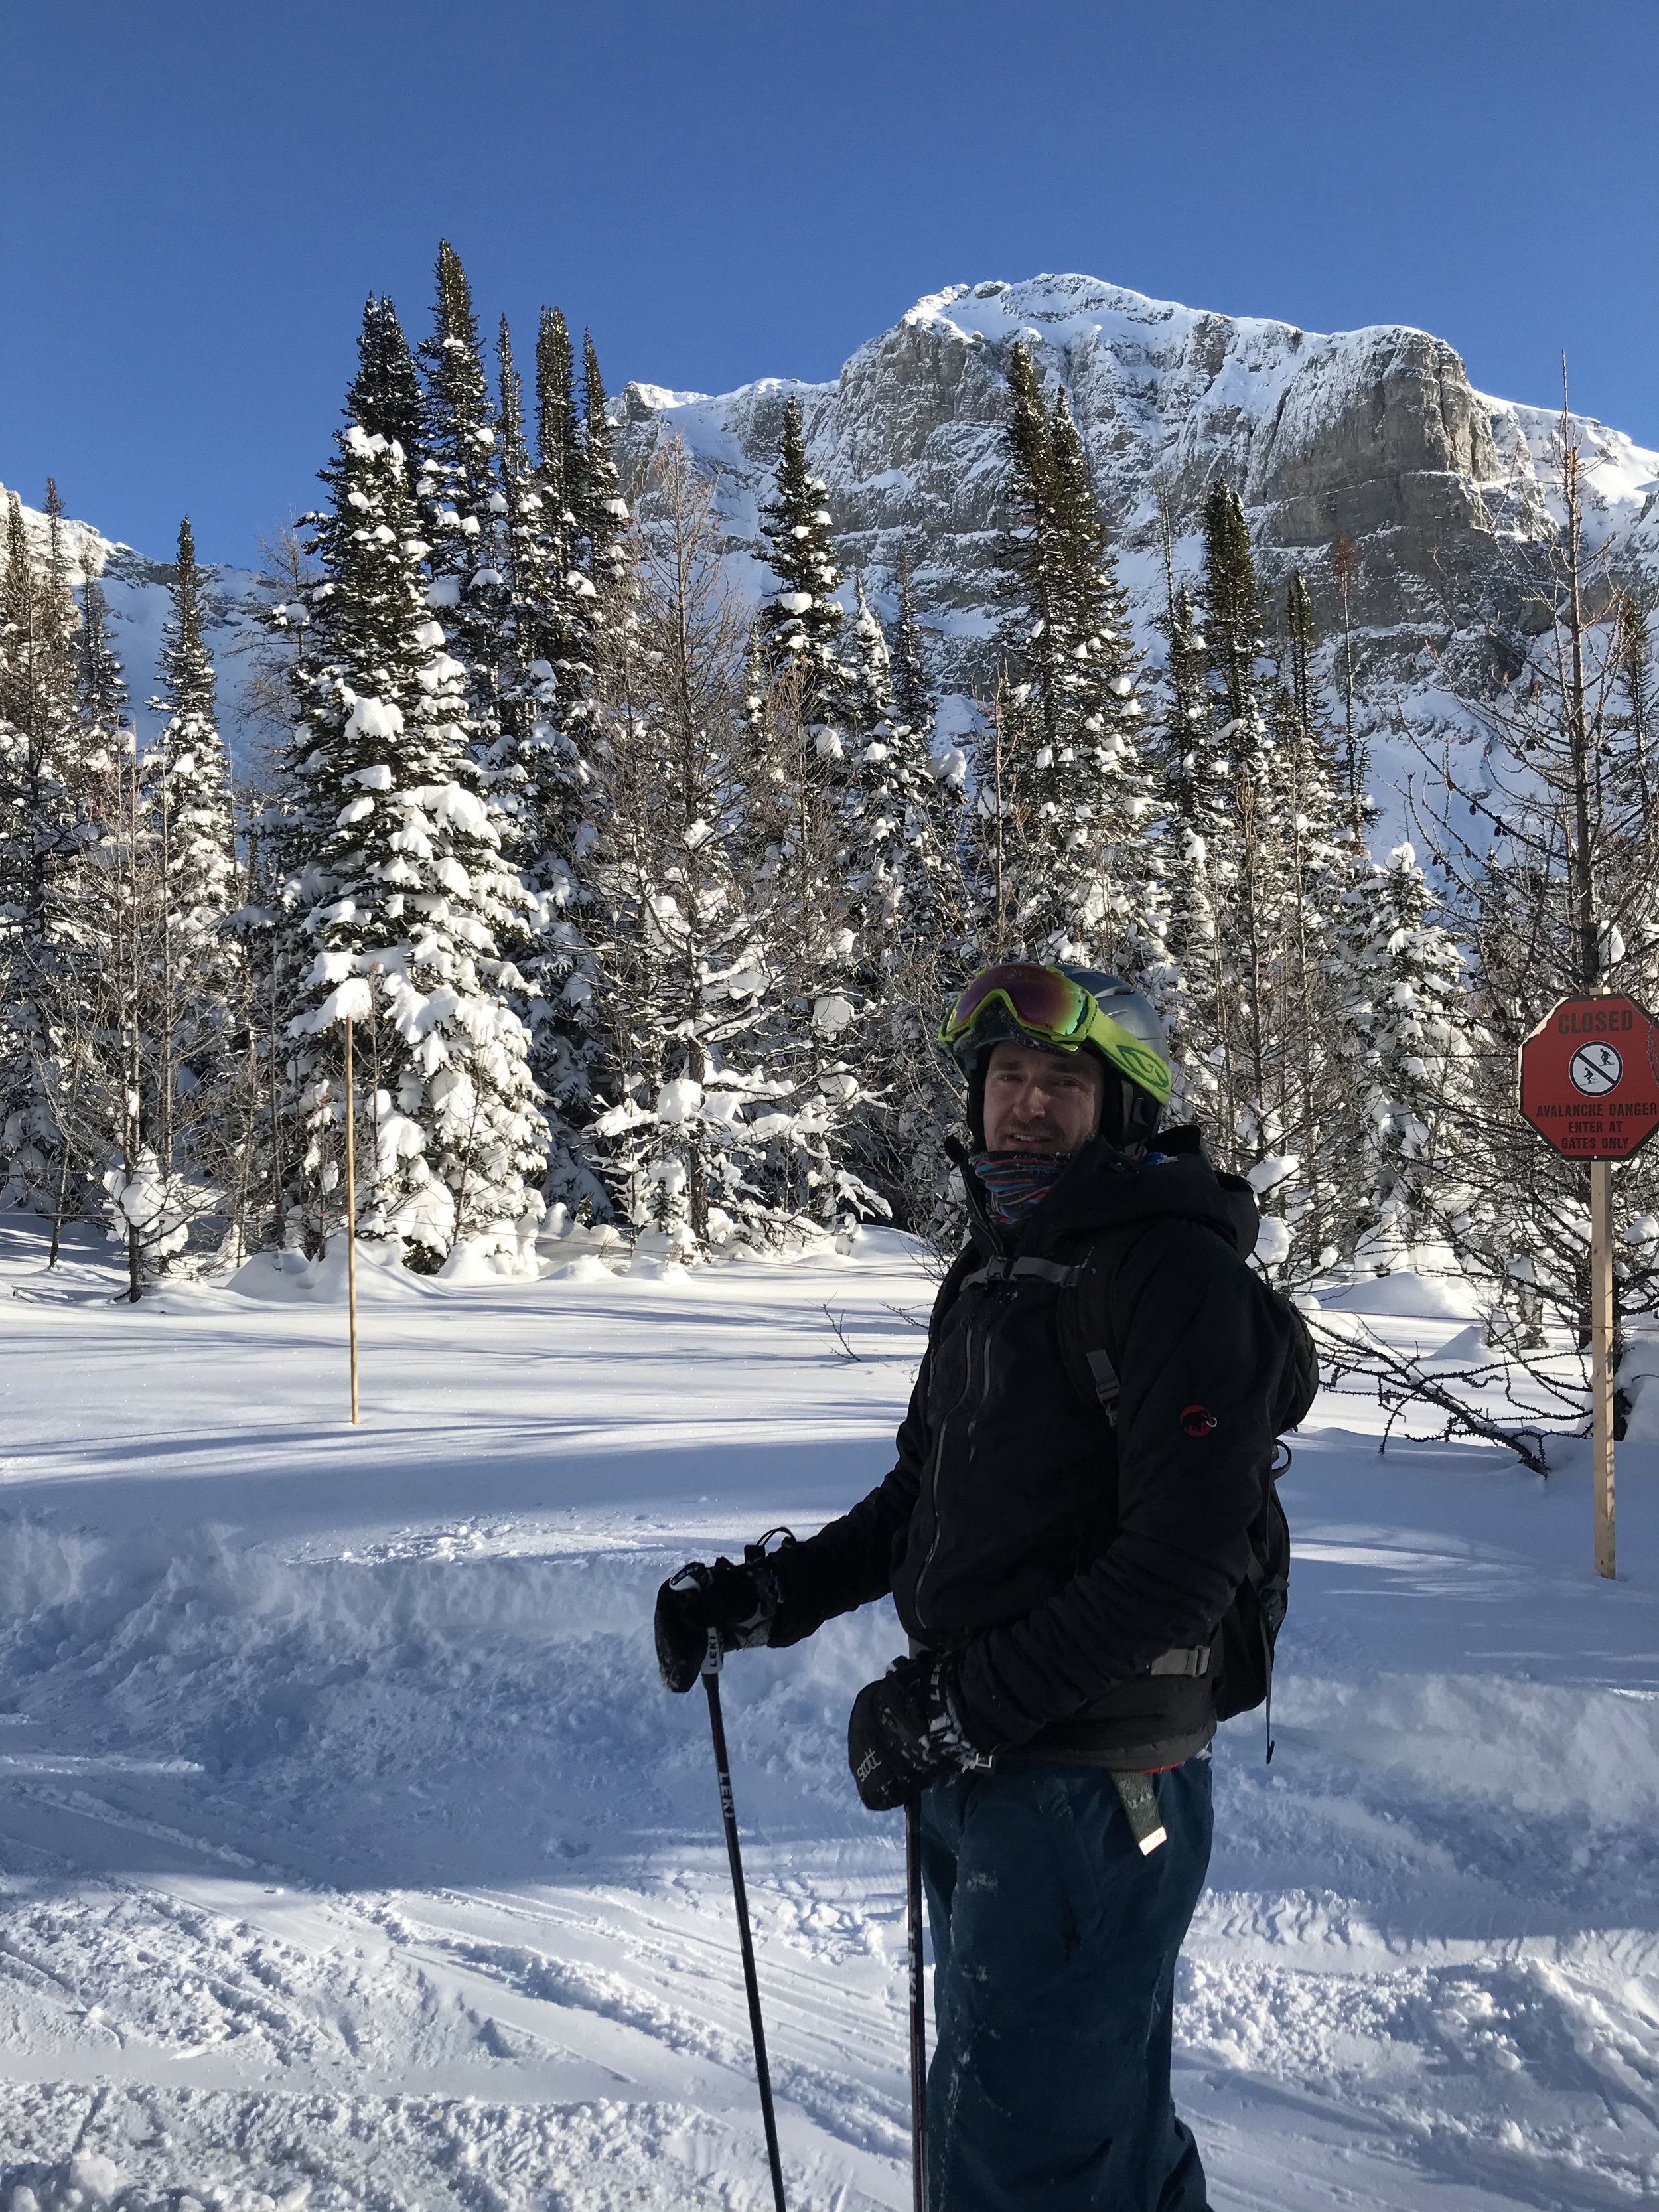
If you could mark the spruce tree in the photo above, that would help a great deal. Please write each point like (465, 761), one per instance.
(1410, 1060)
(570, 627)
(888, 856)
(508, 759)
(458, 484)
(601, 510)
(81, 1068)
(1319, 868)
(696, 1124)
(43, 840)
(384, 396)
(185, 784)
(796, 857)
(103, 683)
(802, 621)
(804, 793)
(1238, 809)
(558, 432)
(398, 885)
(902, 872)
(539, 772)
(191, 776)
(1076, 872)
(914, 699)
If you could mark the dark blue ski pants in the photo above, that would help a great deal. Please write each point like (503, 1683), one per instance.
(1055, 1945)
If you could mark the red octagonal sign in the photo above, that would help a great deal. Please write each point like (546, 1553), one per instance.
(1590, 1077)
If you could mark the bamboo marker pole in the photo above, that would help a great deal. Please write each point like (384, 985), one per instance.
(1601, 1357)
(351, 1216)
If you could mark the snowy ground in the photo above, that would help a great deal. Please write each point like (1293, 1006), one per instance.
(350, 1855)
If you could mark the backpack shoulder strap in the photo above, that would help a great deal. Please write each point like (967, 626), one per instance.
(965, 1269)
(1086, 1332)
(1028, 1270)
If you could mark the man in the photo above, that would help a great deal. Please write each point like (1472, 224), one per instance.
(1060, 1557)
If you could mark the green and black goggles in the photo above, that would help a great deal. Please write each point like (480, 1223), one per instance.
(1052, 1008)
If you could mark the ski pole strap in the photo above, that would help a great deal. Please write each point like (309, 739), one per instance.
(1139, 1802)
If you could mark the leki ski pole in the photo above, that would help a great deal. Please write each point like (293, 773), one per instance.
(711, 1682)
(918, 2004)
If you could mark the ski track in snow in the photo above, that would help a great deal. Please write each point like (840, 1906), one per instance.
(350, 1857)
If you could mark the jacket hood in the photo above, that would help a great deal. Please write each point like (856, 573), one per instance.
(1104, 1188)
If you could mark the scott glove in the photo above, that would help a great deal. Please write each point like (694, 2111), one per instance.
(905, 1733)
(731, 1604)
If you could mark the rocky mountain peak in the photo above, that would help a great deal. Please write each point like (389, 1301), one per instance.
(1374, 432)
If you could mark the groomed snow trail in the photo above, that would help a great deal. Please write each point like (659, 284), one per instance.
(350, 1855)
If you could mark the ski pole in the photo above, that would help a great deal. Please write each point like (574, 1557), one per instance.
(711, 1682)
(918, 2005)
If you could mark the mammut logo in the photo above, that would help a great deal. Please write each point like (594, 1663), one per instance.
(1197, 1420)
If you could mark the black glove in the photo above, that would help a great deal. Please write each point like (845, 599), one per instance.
(905, 1733)
(733, 1603)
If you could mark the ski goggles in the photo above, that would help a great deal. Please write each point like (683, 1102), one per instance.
(1047, 1006)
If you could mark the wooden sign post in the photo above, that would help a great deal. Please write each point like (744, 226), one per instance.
(351, 1216)
(1589, 1084)
(1601, 1357)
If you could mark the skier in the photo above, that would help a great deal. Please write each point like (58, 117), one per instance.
(1060, 1557)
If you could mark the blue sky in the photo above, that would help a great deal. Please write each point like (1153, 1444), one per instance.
(196, 195)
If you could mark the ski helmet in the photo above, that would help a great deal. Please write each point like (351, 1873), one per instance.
(1129, 1042)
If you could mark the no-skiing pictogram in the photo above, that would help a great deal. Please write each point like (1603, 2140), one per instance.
(1590, 1077)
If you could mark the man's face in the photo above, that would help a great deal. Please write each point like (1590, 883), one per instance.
(1041, 1102)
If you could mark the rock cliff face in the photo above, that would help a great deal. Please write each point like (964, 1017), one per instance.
(137, 593)
(1374, 433)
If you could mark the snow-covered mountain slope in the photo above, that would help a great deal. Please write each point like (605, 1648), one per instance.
(136, 589)
(352, 1859)
(1376, 433)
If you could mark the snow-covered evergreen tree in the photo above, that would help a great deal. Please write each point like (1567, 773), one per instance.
(694, 1118)
(1076, 861)
(1406, 1012)
(796, 858)
(902, 867)
(401, 890)
(1181, 761)
(384, 396)
(1238, 813)
(1318, 1110)
(558, 434)
(802, 621)
(196, 994)
(914, 697)
(806, 826)
(43, 839)
(103, 683)
(462, 507)
(540, 769)
(510, 760)
(189, 775)
(600, 508)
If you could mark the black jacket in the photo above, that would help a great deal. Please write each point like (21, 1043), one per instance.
(1061, 1558)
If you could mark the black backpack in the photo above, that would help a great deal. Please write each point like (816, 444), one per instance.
(1243, 1668)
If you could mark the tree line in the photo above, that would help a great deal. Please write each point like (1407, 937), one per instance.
(643, 903)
